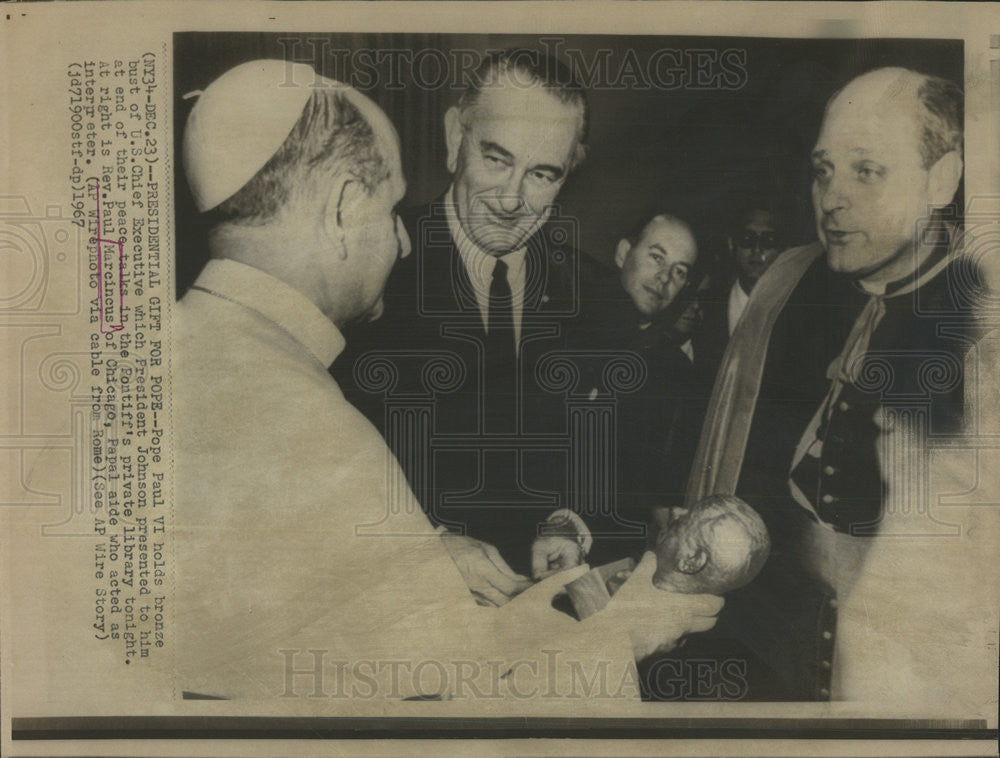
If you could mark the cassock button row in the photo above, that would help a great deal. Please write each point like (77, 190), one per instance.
(826, 665)
(829, 470)
(832, 602)
(827, 635)
(828, 498)
(843, 405)
(825, 692)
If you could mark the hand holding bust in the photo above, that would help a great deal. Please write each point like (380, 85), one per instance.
(655, 620)
(705, 551)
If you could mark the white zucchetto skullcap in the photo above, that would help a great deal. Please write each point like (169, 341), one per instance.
(239, 122)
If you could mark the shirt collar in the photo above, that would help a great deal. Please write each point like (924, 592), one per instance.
(688, 349)
(276, 301)
(737, 297)
(941, 254)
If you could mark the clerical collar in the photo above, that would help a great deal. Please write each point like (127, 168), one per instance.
(282, 305)
(932, 265)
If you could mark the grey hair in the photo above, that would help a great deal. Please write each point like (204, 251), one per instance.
(330, 137)
(532, 68)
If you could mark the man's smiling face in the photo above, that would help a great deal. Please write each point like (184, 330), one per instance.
(656, 267)
(511, 152)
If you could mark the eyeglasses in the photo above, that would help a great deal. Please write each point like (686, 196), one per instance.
(749, 239)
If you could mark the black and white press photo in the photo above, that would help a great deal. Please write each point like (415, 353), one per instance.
(582, 300)
(384, 373)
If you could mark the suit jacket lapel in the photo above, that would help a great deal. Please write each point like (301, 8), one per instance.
(534, 279)
(443, 284)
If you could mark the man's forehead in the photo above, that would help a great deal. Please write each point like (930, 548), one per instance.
(671, 234)
(881, 88)
(759, 221)
(870, 125)
(505, 107)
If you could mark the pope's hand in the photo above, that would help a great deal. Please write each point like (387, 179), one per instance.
(486, 573)
(551, 554)
(656, 619)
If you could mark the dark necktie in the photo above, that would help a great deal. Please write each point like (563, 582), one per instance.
(500, 321)
(500, 363)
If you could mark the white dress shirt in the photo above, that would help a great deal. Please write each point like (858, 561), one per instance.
(738, 300)
(688, 349)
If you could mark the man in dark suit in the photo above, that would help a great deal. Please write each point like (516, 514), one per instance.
(631, 314)
(451, 372)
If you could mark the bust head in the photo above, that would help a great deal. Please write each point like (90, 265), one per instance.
(715, 546)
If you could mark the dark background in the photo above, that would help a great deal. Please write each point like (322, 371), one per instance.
(700, 153)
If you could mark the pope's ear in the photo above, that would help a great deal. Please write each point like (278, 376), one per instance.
(692, 560)
(342, 204)
(621, 252)
(944, 177)
(453, 132)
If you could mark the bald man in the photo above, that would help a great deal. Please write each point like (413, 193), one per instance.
(835, 333)
(658, 425)
(655, 266)
(633, 308)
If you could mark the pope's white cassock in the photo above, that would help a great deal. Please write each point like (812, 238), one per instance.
(276, 475)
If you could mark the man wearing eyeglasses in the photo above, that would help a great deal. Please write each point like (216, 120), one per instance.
(754, 244)
(755, 240)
